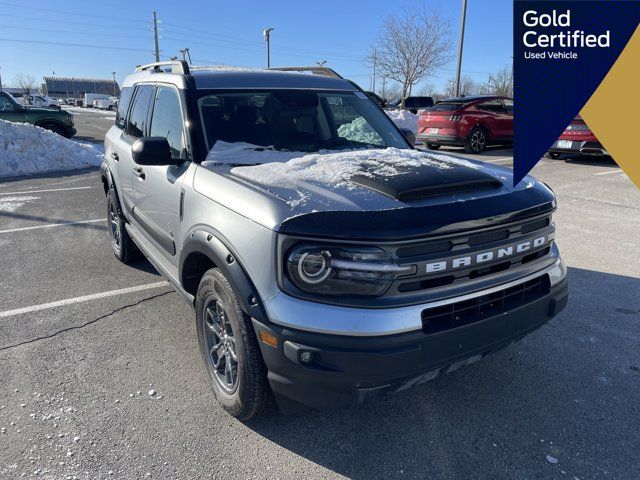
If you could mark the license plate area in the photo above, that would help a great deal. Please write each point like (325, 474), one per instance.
(565, 144)
(433, 131)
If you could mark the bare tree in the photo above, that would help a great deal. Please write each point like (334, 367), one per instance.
(26, 83)
(467, 87)
(501, 83)
(427, 90)
(393, 91)
(411, 47)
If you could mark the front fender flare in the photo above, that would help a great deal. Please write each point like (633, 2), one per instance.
(208, 243)
(105, 174)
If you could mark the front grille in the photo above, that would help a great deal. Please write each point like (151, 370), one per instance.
(461, 313)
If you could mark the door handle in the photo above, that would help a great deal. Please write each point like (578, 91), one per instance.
(115, 156)
(138, 172)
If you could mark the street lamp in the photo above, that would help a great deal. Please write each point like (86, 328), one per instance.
(115, 92)
(266, 32)
(460, 45)
(321, 63)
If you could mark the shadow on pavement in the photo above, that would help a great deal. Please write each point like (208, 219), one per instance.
(57, 174)
(569, 390)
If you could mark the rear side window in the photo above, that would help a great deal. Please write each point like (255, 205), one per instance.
(494, 106)
(123, 105)
(137, 122)
(446, 106)
(166, 120)
(508, 104)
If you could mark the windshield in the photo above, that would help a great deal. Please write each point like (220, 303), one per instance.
(295, 121)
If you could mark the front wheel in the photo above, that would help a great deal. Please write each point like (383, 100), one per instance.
(55, 128)
(230, 348)
(552, 155)
(476, 140)
(433, 146)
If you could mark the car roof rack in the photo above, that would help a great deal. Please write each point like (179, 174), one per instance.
(323, 71)
(177, 66)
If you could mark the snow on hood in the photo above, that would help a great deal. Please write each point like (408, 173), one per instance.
(321, 180)
(26, 149)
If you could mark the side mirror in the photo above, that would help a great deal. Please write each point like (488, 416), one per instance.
(411, 136)
(153, 151)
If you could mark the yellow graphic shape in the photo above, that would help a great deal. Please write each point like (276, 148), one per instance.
(612, 111)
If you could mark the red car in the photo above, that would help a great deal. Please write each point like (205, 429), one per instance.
(469, 122)
(577, 138)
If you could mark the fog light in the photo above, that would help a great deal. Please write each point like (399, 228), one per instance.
(306, 357)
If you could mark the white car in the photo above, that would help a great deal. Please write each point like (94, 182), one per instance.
(38, 101)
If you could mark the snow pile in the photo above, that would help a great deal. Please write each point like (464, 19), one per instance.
(359, 130)
(337, 168)
(404, 119)
(25, 150)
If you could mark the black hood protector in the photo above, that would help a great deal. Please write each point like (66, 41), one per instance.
(427, 181)
(415, 222)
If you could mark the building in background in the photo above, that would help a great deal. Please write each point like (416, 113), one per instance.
(72, 87)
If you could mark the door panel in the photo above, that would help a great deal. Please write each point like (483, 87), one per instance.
(157, 189)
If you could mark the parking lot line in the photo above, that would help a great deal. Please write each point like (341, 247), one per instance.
(46, 191)
(51, 225)
(85, 298)
(617, 170)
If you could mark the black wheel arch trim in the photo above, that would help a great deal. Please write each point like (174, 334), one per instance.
(110, 186)
(208, 242)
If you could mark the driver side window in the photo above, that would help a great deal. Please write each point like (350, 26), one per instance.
(166, 120)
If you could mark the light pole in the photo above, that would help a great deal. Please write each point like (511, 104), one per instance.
(53, 83)
(321, 63)
(0, 79)
(460, 43)
(115, 92)
(266, 32)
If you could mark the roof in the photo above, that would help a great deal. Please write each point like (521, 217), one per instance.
(246, 78)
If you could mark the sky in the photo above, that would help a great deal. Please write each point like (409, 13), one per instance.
(88, 38)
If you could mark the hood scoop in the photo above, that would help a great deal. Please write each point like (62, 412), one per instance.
(417, 183)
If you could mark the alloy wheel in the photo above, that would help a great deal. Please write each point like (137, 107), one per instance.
(221, 346)
(478, 140)
(114, 222)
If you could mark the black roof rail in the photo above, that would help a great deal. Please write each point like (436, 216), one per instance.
(177, 66)
(324, 71)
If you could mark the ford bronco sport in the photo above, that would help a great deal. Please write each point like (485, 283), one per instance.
(327, 260)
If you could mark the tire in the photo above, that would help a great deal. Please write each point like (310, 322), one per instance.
(122, 245)
(225, 332)
(433, 146)
(552, 155)
(476, 140)
(55, 128)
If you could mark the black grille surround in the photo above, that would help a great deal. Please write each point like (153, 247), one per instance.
(465, 312)
(424, 287)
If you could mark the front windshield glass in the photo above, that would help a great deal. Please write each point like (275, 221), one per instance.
(295, 121)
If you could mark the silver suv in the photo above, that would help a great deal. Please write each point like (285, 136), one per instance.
(327, 260)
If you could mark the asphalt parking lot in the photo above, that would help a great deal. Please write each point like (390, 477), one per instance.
(92, 124)
(84, 339)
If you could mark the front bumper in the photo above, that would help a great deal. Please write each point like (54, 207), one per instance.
(347, 370)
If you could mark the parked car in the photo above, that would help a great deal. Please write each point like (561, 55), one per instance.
(382, 103)
(312, 282)
(58, 121)
(469, 122)
(577, 139)
(413, 103)
(38, 101)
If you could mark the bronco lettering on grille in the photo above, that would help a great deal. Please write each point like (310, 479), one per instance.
(488, 255)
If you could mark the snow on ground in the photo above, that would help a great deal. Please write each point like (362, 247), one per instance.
(13, 203)
(90, 111)
(337, 168)
(404, 119)
(25, 150)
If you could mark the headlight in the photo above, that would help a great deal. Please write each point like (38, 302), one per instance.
(342, 270)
